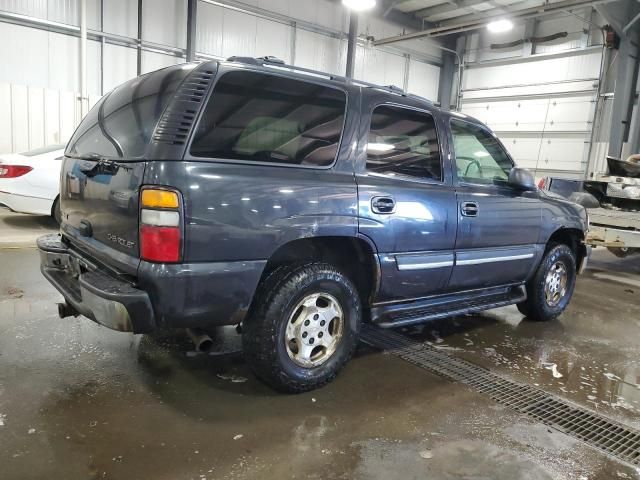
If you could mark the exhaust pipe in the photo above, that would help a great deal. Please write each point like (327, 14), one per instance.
(65, 310)
(200, 339)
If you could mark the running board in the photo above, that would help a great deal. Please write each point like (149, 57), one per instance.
(396, 315)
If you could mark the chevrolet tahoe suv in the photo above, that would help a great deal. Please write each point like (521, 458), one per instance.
(297, 205)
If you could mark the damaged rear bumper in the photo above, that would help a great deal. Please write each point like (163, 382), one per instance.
(94, 293)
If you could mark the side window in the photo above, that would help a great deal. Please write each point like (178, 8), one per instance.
(403, 142)
(265, 118)
(479, 156)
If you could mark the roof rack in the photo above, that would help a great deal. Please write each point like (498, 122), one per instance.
(274, 62)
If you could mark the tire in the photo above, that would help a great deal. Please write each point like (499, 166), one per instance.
(585, 199)
(277, 312)
(56, 213)
(541, 304)
(623, 252)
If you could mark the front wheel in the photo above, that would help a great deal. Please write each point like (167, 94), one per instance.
(551, 288)
(303, 327)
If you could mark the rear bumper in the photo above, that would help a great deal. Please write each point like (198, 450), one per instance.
(196, 295)
(95, 294)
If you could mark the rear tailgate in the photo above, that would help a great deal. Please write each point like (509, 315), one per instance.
(104, 168)
(100, 209)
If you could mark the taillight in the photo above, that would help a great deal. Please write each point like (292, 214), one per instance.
(542, 183)
(160, 226)
(13, 171)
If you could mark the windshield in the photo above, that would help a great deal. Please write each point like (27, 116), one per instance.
(43, 150)
(120, 125)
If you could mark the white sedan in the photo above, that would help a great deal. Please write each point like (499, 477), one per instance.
(30, 181)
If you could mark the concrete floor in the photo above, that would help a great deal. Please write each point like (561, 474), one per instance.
(18, 230)
(78, 401)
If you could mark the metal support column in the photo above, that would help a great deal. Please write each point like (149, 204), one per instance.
(102, 45)
(626, 79)
(84, 96)
(192, 13)
(351, 46)
(139, 61)
(445, 85)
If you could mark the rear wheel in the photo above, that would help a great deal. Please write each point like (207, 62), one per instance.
(303, 328)
(551, 288)
(56, 213)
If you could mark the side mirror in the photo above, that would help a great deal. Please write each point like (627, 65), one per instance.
(522, 178)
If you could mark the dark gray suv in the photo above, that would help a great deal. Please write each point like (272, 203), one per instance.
(297, 205)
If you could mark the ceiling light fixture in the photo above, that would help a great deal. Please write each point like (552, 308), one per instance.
(359, 5)
(499, 26)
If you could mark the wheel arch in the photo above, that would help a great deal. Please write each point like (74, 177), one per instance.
(354, 256)
(574, 239)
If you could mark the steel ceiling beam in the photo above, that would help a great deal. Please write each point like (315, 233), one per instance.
(446, 7)
(515, 11)
(480, 21)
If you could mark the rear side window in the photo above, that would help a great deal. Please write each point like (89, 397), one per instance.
(266, 118)
(403, 142)
(120, 125)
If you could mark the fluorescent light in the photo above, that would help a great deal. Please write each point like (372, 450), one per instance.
(379, 147)
(480, 153)
(359, 5)
(499, 26)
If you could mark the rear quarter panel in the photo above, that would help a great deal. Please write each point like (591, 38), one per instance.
(239, 212)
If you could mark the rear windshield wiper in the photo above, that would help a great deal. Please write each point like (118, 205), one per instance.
(103, 166)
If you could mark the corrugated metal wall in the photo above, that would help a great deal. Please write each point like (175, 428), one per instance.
(541, 106)
(34, 59)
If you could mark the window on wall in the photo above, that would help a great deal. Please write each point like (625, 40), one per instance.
(265, 118)
(403, 142)
(479, 156)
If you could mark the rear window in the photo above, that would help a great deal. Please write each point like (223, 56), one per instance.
(266, 118)
(120, 125)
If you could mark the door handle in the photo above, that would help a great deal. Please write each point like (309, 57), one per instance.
(469, 209)
(383, 205)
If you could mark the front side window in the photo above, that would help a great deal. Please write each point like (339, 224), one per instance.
(266, 118)
(479, 156)
(403, 142)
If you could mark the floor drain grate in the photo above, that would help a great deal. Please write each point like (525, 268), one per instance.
(600, 432)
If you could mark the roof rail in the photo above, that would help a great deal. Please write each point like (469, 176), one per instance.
(274, 62)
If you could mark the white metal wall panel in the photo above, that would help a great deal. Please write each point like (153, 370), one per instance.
(35, 101)
(20, 118)
(561, 23)
(52, 117)
(68, 116)
(576, 67)
(239, 34)
(120, 64)
(319, 52)
(273, 38)
(64, 70)
(153, 61)
(22, 56)
(165, 22)
(121, 17)
(5, 119)
(424, 79)
(209, 29)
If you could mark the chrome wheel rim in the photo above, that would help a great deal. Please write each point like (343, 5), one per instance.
(314, 330)
(555, 285)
